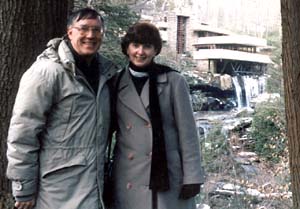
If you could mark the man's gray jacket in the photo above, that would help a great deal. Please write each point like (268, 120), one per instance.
(58, 132)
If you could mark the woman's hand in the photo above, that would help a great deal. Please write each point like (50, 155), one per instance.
(25, 204)
(189, 190)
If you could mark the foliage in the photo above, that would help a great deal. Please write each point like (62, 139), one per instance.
(197, 99)
(182, 63)
(117, 19)
(213, 147)
(6, 201)
(275, 80)
(269, 130)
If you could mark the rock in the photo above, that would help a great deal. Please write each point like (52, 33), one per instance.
(249, 170)
(253, 192)
(242, 161)
(203, 206)
(232, 187)
(247, 154)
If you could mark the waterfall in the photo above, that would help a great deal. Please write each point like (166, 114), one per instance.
(262, 81)
(238, 91)
(251, 86)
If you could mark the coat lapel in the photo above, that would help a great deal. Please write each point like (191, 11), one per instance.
(161, 83)
(145, 94)
(130, 98)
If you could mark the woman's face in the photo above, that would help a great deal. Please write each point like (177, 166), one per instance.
(141, 55)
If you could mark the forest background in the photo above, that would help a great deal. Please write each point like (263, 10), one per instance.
(252, 17)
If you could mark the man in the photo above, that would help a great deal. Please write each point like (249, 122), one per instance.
(59, 127)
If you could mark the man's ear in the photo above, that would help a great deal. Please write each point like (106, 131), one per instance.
(69, 32)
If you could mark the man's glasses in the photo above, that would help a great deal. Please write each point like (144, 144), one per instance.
(86, 29)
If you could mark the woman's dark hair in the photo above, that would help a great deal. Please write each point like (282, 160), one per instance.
(142, 33)
(81, 14)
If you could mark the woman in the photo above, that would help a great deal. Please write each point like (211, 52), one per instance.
(156, 157)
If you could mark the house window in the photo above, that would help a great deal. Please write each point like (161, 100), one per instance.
(181, 34)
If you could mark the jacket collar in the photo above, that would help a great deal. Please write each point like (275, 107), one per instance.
(130, 98)
(59, 51)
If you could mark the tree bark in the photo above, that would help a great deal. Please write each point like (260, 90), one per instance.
(291, 74)
(25, 28)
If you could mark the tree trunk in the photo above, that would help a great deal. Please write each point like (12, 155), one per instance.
(291, 74)
(25, 28)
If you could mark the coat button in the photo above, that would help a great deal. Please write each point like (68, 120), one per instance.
(129, 126)
(148, 125)
(17, 185)
(129, 185)
(130, 156)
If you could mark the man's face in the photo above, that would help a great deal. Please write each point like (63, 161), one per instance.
(86, 36)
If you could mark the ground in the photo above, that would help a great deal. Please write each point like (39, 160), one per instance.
(239, 179)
